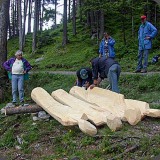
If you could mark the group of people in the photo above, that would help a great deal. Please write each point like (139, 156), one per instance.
(103, 66)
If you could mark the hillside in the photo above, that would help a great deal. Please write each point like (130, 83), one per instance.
(78, 52)
(48, 140)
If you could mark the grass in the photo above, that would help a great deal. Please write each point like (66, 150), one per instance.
(52, 141)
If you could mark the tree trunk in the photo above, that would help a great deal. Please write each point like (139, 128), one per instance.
(4, 14)
(92, 20)
(24, 23)
(20, 25)
(29, 16)
(34, 41)
(41, 18)
(69, 10)
(88, 19)
(65, 38)
(16, 19)
(55, 16)
(24, 109)
(132, 21)
(9, 25)
(80, 10)
(38, 13)
(101, 24)
(74, 18)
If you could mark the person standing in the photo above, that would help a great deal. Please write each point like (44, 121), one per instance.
(106, 48)
(145, 35)
(84, 77)
(17, 68)
(103, 67)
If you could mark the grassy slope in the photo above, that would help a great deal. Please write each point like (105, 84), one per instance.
(50, 140)
(78, 51)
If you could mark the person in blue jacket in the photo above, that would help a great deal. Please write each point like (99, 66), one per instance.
(106, 48)
(145, 35)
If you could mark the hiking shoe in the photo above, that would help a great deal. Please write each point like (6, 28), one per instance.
(143, 71)
(137, 71)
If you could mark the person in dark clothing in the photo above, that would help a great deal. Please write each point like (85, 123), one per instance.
(103, 67)
(84, 77)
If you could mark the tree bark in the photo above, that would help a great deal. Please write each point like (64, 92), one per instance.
(34, 41)
(4, 14)
(55, 16)
(101, 23)
(24, 109)
(69, 10)
(9, 24)
(24, 23)
(74, 18)
(20, 25)
(29, 16)
(65, 38)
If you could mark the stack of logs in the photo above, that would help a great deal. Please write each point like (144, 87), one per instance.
(89, 108)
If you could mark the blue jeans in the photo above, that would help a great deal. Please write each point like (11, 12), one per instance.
(141, 54)
(113, 76)
(18, 85)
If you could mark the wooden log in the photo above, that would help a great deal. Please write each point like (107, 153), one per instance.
(152, 113)
(111, 101)
(94, 113)
(98, 99)
(62, 113)
(24, 109)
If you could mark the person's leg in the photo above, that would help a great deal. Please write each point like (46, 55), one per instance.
(113, 75)
(140, 56)
(14, 88)
(145, 64)
(21, 87)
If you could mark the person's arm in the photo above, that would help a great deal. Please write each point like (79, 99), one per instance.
(96, 83)
(7, 65)
(153, 31)
(27, 67)
(111, 41)
(101, 49)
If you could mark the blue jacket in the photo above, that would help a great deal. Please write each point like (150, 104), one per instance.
(111, 51)
(8, 66)
(146, 30)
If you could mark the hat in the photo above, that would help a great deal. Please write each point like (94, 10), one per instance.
(83, 74)
(143, 17)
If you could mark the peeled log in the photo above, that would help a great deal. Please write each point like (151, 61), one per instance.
(24, 109)
(111, 101)
(100, 99)
(97, 115)
(62, 113)
(153, 113)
